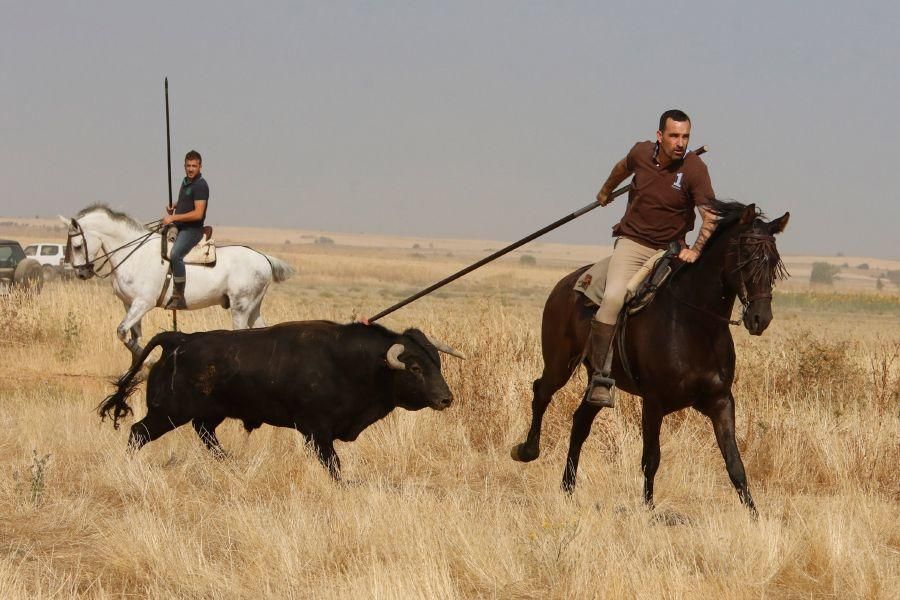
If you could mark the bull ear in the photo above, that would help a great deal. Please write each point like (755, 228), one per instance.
(393, 357)
(749, 215)
(778, 225)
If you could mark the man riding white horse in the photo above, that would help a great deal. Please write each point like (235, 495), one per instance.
(188, 216)
(107, 243)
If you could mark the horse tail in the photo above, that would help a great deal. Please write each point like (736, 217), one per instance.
(117, 402)
(280, 269)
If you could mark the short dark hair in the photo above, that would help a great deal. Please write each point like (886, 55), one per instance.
(193, 155)
(675, 115)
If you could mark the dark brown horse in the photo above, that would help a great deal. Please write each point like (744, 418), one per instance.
(679, 349)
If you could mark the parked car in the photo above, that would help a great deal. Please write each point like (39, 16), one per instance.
(52, 258)
(18, 270)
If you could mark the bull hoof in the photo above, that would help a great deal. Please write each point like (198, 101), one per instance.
(521, 453)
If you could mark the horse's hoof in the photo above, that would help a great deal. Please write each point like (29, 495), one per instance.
(519, 453)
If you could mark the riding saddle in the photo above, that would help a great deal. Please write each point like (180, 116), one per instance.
(642, 286)
(203, 254)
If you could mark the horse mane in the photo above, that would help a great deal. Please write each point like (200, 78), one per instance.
(728, 212)
(114, 215)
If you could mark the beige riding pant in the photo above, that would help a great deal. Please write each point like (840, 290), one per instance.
(627, 258)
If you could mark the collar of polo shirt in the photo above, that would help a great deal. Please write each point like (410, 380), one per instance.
(656, 154)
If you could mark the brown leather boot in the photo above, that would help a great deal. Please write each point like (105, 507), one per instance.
(599, 388)
(177, 302)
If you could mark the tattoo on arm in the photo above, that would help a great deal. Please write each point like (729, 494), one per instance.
(710, 221)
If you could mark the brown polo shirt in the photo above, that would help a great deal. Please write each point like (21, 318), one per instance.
(662, 199)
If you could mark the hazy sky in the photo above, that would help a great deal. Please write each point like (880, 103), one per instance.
(482, 119)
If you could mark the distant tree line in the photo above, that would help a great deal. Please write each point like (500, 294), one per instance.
(825, 273)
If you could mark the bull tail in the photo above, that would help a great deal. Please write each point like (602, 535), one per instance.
(115, 406)
(280, 269)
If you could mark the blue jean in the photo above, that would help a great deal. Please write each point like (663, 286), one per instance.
(187, 239)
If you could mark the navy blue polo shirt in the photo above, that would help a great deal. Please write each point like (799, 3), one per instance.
(191, 191)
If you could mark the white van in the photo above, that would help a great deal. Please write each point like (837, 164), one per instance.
(52, 259)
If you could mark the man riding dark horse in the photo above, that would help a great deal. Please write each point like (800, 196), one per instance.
(669, 182)
(188, 216)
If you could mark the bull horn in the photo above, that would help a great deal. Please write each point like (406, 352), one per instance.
(442, 347)
(393, 357)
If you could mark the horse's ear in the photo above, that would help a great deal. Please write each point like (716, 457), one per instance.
(64, 220)
(749, 215)
(778, 225)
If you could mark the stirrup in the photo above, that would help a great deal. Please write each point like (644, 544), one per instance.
(601, 381)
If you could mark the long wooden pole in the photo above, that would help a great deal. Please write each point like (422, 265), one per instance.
(169, 171)
(506, 250)
(168, 145)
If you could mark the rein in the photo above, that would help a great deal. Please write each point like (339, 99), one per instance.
(757, 260)
(89, 264)
(703, 310)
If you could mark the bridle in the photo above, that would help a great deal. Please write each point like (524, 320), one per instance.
(105, 257)
(760, 248)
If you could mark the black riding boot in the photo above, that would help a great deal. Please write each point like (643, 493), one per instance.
(599, 393)
(176, 302)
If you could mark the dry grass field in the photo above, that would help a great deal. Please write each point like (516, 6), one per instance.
(433, 507)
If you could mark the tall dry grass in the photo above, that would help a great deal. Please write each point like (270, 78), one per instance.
(433, 506)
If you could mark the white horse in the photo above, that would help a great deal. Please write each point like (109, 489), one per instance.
(238, 280)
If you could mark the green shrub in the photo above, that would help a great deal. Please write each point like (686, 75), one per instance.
(823, 272)
(527, 260)
(893, 276)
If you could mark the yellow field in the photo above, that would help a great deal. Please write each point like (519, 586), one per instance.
(433, 506)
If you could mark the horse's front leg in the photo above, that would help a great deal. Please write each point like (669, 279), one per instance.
(721, 413)
(651, 423)
(132, 324)
(555, 376)
(582, 421)
(136, 335)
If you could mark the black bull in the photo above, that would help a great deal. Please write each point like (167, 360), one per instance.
(328, 381)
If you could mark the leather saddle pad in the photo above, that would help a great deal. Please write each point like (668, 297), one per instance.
(592, 283)
(203, 254)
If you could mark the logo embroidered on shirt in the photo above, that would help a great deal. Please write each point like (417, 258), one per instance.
(678, 178)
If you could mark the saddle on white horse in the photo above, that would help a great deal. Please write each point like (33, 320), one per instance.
(642, 286)
(203, 254)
